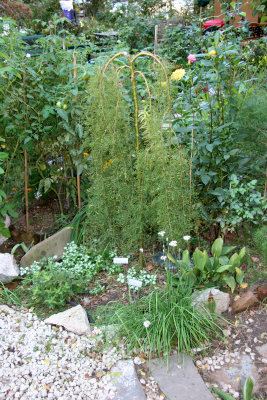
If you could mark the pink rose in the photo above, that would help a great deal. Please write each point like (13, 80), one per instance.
(191, 58)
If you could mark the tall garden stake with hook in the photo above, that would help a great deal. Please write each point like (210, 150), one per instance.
(76, 100)
(25, 158)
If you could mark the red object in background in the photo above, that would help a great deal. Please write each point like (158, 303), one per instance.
(213, 22)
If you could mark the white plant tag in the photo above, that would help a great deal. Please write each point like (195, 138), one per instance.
(120, 260)
(135, 283)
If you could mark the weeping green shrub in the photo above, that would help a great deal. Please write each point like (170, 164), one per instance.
(138, 186)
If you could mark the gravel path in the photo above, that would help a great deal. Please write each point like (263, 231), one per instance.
(39, 361)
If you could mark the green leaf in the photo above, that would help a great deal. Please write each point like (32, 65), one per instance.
(217, 247)
(224, 268)
(235, 260)
(230, 281)
(79, 130)
(62, 114)
(242, 253)
(47, 184)
(223, 260)
(186, 257)
(247, 389)
(222, 394)
(171, 258)
(199, 259)
(5, 232)
(205, 179)
(239, 275)
(227, 249)
(232, 4)
(212, 306)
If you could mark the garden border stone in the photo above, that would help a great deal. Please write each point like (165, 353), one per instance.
(179, 381)
(50, 247)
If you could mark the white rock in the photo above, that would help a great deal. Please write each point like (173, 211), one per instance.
(74, 320)
(8, 268)
(222, 300)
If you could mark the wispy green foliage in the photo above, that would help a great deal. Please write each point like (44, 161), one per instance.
(136, 190)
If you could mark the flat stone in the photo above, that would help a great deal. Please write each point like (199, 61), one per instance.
(246, 300)
(50, 247)
(126, 382)
(222, 300)
(3, 239)
(181, 381)
(73, 320)
(262, 350)
(235, 374)
(8, 268)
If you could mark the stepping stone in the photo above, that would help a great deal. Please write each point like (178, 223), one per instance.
(50, 247)
(126, 382)
(180, 381)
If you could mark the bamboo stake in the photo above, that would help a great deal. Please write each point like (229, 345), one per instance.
(76, 100)
(156, 39)
(25, 160)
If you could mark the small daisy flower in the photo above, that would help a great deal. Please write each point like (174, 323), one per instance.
(186, 238)
(173, 243)
(146, 324)
(161, 233)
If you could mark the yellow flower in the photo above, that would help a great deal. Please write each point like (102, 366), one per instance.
(108, 162)
(85, 154)
(212, 53)
(177, 74)
(163, 84)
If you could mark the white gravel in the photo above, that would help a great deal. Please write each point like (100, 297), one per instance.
(39, 361)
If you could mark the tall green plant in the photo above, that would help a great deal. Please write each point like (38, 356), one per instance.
(139, 177)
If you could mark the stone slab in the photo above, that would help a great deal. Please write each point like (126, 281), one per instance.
(236, 374)
(126, 382)
(262, 350)
(74, 320)
(181, 381)
(8, 268)
(50, 247)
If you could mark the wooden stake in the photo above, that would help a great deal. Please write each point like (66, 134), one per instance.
(25, 160)
(156, 39)
(76, 99)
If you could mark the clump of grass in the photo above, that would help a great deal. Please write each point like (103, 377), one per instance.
(260, 241)
(166, 320)
(7, 296)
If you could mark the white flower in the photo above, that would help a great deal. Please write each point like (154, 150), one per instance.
(141, 250)
(146, 324)
(186, 238)
(163, 258)
(97, 331)
(173, 243)
(28, 55)
(161, 233)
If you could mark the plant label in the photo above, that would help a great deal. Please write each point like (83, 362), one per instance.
(120, 260)
(135, 283)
